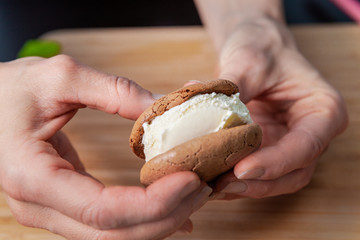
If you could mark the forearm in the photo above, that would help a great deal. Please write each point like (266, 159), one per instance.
(220, 17)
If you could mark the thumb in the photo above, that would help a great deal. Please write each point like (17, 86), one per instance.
(245, 68)
(235, 73)
(109, 93)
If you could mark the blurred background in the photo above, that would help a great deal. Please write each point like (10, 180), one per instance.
(21, 20)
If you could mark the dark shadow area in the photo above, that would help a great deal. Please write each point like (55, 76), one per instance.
(313, 11)
(22, 19)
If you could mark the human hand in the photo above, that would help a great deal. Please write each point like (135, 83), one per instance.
(44, 180)
(298, 110)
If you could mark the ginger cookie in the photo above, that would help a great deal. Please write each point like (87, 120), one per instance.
(203, 128)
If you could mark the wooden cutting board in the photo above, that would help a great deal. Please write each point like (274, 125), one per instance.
(163, 59)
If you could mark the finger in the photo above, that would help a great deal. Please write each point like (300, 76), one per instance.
(88, 201)
(187, 227)
(191, 82)
(295, 150)
(64, 148)
(80, 84)
(311, 128)
(33, 215)
(248, 69)
(229, 187)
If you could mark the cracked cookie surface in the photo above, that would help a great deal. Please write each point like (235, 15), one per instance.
(208, 155)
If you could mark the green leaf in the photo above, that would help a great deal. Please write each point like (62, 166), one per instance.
(40, 48)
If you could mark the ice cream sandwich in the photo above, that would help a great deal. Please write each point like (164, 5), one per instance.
(203, 128)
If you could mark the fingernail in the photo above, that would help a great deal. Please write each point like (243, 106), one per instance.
(186, 228)
(218, 196)
(235, 187)
(191, 82)
(157, 96)
(251, 173)
(202, 198)
(189, 188)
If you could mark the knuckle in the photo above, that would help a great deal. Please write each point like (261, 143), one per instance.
(93, 216)
(318, 146)
(338, 108)
(21, 214)
(120, 88)
(99, 216)
(333, 107)
(263, 190)
(331, 103)
(11, 183)
(63, 66)
(64, 60)
(123, 82)
(158, 210)
(125, 87)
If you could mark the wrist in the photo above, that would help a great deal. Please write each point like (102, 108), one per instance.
(256, 24)
(222, 17)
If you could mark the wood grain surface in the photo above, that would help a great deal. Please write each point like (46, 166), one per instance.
(163, 59)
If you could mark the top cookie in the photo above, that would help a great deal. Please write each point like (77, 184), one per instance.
(171, 100)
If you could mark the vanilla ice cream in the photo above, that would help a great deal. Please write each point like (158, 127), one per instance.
(198, 116)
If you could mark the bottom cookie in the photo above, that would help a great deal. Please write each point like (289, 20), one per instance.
(208, 156)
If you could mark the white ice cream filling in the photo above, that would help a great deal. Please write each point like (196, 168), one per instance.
(198, 116)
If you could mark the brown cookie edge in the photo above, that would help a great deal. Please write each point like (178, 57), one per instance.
(208, 156)
(171, 100)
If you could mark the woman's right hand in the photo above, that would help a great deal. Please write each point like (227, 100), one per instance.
(46, 184)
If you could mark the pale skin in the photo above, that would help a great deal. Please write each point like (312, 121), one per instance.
(298, 110)
(44, 180)
(47, 186)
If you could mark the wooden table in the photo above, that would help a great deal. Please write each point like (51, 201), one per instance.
(163, 59)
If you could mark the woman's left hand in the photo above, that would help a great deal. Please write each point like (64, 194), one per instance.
(298, 110)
